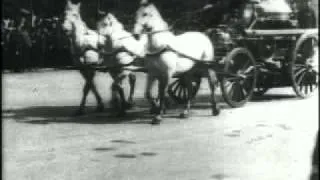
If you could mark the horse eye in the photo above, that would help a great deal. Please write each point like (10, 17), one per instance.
(144, 14)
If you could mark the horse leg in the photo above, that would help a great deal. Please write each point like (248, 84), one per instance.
(118, 94)
(150, 81)
(132, 83)
(213, 83)
(187, 106)
(93, 87)
(163, 86)
(85, 91)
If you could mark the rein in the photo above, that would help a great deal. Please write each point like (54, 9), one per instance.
(118, 50)
(167, 48)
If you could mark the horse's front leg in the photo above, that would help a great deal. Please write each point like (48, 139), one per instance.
(88, 77)
(163, 86)
(213, 83)
(150, 81)
(92, 85)
(132, 83)
(118, 95)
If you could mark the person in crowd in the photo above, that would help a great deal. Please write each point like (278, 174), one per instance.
(24, 26)
(306, 15)
(23, 30)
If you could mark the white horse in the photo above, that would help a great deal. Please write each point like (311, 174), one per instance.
(122, 49)
(172, 55)
(84, 43)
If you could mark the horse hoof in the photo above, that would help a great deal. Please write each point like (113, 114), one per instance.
(215, 112)
(79, 113)
(164, 111)
(153, 110)
(129, 105)
(121, 114)
(184, 115)
(100, 108)
(156, 120)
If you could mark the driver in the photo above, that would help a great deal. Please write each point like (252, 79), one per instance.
(306, 15)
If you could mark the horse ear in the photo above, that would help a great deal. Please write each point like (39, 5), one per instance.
(69, 3)
(152, 6)
(78, 6)
(144, 2)
(112, 17)
(154, 9)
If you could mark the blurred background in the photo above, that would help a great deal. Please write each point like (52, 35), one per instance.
(32, 37)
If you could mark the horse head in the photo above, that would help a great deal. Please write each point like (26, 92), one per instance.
(71, 16)
(72, 7)
(148, 19)
(108, 25)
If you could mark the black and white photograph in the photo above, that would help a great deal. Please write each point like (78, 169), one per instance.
(160, 89)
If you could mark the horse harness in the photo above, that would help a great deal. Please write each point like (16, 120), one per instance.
(168, 48)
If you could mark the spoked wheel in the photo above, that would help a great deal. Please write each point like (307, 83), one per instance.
(303, 69)
(178, 90)
(239, 80)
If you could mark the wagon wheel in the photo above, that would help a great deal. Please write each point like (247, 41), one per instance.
(178, 90)
(239, 80)
(303, 69)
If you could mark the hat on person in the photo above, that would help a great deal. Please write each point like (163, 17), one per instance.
(254, 1)
(25, 11)
(101, 13)
(144, 2)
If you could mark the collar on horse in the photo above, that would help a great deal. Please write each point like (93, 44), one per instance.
(158, 53)
(116, 51)
(164, 49)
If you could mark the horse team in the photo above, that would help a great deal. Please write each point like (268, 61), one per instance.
(166, 56)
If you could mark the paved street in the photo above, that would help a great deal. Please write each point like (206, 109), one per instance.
(270, 138)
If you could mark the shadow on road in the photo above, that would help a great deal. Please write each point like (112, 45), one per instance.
(272, 97)
(64, 114)
(139, 115)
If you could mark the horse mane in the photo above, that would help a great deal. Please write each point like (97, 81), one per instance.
(117, 25)
(155, 9)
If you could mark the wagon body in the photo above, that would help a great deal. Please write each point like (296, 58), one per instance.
(283, 44)
(276, 37)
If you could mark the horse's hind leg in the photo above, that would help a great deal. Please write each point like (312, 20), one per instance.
(213, 83)
(132, 83)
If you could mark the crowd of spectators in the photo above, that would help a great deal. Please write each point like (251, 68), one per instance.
(32, 41)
